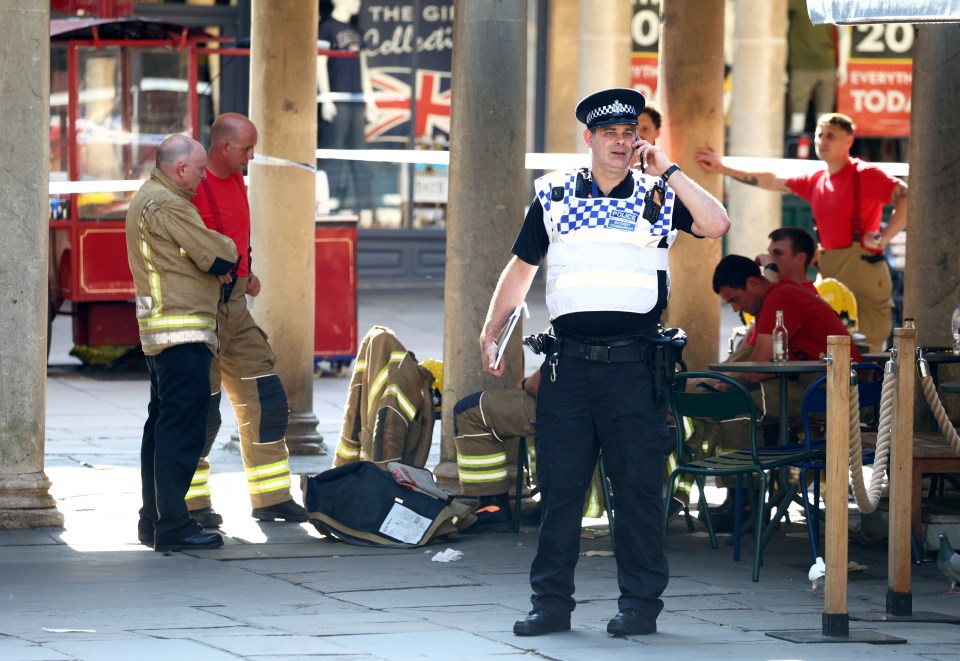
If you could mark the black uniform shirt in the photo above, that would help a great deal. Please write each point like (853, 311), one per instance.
(532, 244)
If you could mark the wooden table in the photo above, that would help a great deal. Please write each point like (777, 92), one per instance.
(950, 386)
(932, 453)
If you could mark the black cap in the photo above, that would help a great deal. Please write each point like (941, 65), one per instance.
(617, 105)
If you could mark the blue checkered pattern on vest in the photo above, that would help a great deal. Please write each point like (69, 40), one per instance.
(594, 212)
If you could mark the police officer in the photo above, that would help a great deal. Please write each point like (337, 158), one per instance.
(606, 230)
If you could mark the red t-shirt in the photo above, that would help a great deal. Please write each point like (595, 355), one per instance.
(831, 200)
(223, 205)
(751, 338)
(807, 318)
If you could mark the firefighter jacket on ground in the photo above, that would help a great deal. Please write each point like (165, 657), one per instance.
(389, 412)
(603, 255)
(174, 260)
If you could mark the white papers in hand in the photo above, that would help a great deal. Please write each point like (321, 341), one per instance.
(507, 331)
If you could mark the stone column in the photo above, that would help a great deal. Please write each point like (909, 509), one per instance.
(488, 193)
(604, 54)
(691, 95)
(562, 52)
(932, 277)
(283, 105)
(756, 129)
(25, 501)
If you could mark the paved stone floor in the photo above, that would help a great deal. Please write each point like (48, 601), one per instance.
(279, 591)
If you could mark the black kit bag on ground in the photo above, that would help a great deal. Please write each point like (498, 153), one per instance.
(362, 504)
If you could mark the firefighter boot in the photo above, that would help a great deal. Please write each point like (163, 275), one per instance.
(493, 515)
(288, 511)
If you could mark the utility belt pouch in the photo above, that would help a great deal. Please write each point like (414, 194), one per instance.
(667, 352)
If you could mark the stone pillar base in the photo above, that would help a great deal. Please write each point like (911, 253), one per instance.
(447, 474)
(302, 435)
(25, 502)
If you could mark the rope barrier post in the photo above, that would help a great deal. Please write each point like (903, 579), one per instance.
(899, 600)
(835, 618)
(899, 597)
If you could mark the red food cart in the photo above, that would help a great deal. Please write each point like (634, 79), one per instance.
(118, 87)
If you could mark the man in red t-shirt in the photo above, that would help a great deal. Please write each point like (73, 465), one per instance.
(245, 365)
(847, 201)
(808, 320)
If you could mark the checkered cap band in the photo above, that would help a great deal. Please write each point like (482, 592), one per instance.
(615, 108)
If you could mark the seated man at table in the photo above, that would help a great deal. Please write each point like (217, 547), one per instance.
(808, 321)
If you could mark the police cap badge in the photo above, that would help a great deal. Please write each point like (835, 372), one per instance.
(618, 105)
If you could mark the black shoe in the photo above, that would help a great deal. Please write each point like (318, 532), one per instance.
(493, 515)
(539, 622)
(145, 532)
(723, 521)
(289, 511)
(629, 622)
(201, 540)
(206, 517)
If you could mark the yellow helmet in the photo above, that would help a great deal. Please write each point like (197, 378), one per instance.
(841, 299)
(435, 367)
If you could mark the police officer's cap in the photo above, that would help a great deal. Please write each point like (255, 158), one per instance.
(617, 105)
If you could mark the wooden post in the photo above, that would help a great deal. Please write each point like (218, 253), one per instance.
(899, 598)
(283, 102)
(835, 618)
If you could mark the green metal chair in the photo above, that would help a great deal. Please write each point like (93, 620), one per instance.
(732, 402)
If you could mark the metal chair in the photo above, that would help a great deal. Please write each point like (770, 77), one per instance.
(733, 402)
(815, 401)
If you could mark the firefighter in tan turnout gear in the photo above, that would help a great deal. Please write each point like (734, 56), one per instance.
(246, 365)
(389, 410)
(178, 267)
(487, 429)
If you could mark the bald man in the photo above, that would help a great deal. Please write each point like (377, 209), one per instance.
(178, 268)
(246, 364)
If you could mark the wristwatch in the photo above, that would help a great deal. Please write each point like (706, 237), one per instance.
(773, 267)
(669, 171)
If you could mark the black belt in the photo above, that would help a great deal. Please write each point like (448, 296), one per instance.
(616, 351)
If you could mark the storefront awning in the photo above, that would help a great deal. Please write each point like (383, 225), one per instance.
(850, 12)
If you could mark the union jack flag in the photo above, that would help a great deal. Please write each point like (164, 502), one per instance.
(391, 90)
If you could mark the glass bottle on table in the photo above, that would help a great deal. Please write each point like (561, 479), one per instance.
(781, 351)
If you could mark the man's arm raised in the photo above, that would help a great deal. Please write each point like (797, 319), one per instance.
(711, 161)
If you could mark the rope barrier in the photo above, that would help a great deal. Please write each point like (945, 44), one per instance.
(868, 499)
(936, 406)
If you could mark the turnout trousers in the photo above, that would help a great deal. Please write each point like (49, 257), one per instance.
(246, 370)
(594, 406)
(173, 437)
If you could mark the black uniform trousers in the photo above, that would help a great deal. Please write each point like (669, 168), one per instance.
(173, 437)
(594, 405)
